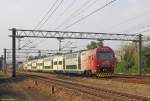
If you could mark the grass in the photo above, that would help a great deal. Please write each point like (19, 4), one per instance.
(146, 70)
(122, 68)
(3, 75)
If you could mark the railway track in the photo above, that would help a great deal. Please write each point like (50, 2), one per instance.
(97, 92)
(132, 79)
(144, 79)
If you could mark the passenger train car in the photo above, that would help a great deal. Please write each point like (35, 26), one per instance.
(88, 62)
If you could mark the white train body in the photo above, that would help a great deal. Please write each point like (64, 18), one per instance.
(25, 66)
(48, 64)
(69, 62)
(34, 65)
(40, 64)
(58, 62)
(72, 62)
(29, 64)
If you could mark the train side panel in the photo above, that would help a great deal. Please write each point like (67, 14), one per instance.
(29, 65)
(48, 64)
(72, 62)
(34, 65)
(25, 66)
(87, 60)
(58, 62)
(40, 64)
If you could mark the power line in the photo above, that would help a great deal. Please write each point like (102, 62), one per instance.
(67, 8)
(49, 16)
(85, 8)
(90, 14)
(143, 31)
(130, 19)
(93, 12)
(45, 15)
(75, 14)
(72, 15)
(142, 27)
(138, 26)
(52, 13)
(65, 20)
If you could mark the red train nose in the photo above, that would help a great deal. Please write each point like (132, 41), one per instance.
(106, 63)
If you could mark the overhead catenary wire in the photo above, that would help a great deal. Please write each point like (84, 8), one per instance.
(60, 3)
(89, 14)
(72, 15)
(65, 11)
(48, 19)
(77, 12)
(137, 28)
(45, 15)
(129, 19)
(85, 3)
(93, 12)
(143, 31)
(49, 16)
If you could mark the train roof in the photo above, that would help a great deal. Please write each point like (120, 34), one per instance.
(104, 48)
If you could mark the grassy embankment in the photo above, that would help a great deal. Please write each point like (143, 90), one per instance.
(3, 75)
(122, 68)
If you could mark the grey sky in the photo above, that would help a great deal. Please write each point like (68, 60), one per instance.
(25, 14)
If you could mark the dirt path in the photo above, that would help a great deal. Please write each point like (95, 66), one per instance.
(124, 87)
(24, 89)
(17, 89)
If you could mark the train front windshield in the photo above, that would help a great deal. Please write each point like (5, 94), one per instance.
(104, 55)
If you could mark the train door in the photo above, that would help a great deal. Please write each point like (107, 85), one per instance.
(60, 63)
(55, 64)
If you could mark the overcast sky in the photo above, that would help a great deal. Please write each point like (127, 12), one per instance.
(123, 16)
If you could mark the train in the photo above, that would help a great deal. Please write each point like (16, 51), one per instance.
(86, 62)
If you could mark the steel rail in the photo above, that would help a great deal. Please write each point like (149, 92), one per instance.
(94, 91)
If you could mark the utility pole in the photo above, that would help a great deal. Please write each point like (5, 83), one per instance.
(60, 41)
(5, 66)
(140, 54)
(19, 41)
(39, 53)
(1, 63)
(14, 52)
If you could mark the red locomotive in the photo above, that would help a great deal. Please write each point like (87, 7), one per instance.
(98, 60)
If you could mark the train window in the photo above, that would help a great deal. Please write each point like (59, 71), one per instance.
(70, 56)
(39, 64)
(60, 62)
(55, 63)
(29, 64)
(104, 55)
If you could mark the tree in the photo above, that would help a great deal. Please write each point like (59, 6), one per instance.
(95, 44)
(129, 61)
(31, 58)
(129, 58)
(146, 56)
